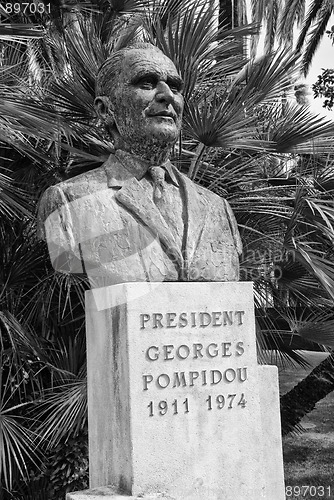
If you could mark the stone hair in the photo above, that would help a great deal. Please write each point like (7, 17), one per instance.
(111, 68)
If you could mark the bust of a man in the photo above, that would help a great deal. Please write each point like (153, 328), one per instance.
(137, 218)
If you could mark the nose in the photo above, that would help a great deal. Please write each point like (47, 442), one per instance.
(164, 93)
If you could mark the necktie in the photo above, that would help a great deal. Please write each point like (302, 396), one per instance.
(158, 176)
(167, 199)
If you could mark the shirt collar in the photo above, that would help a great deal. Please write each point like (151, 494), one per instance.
(133, 167)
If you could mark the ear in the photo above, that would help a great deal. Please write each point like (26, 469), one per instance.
(104, 110)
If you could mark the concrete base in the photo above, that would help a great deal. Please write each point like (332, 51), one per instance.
(272, 455)
(109, 493)
(178, 407)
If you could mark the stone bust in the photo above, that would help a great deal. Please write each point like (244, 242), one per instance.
(137, 218)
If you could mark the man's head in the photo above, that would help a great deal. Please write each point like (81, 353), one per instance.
(139, 99)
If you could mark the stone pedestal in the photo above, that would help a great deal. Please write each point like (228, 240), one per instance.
(178, 407)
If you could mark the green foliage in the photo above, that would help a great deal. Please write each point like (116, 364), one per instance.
(324, 88)
(64, 469)
(68, 466)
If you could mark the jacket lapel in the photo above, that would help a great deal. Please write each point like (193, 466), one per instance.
(132, 194)
(196, 216)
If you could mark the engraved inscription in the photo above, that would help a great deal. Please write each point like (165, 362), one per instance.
(197, 350)
(193, 319)
(162, 407)
(206, 351)
(178, 406)
(191, 378)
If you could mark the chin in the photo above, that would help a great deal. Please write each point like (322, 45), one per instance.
(166, 134)
(152, 139)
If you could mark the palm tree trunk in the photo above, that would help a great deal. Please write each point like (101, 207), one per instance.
(302, 399)
(232, 13)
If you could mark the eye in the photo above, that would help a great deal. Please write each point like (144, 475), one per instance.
(147, 82)
(175, 89)
(175, 86)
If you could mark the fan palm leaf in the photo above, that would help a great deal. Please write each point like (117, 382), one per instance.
(301, 131)
(320, 267)
(14, 201)
(291, 236)
(55, 299)
(318, 328)
(271, 347)
(220, 122)
(23, 122)
(269, 76)
(17, 445)
(169, 11)
(63, 411)
(308, 237)
(190, 41)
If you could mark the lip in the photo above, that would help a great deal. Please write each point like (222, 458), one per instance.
(163, 114)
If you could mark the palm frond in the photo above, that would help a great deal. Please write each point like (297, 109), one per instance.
(269, 76)
(20, 33)
(315, 37)
(272, 13)
(242, 12)
(162, 10)
(14, 201)
(257, 10)
(220, 122)
(63, 412)
(198, 47)
(271, 346)
(293, 13)
(26, 117)
(318, 331)
(312, 14)
(188, 40)
(66, 357)
(301, 131)
(17, 446)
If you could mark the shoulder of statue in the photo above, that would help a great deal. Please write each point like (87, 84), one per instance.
(212, 197)
(79, 185)
(58, 195)
(96, 174)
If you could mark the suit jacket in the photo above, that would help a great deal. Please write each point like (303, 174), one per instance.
(105, 223)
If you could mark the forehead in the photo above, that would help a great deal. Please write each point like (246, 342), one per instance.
(141, 61)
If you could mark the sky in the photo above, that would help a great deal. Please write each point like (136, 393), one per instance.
(324, 58)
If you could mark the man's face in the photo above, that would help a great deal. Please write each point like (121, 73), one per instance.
(148, 103)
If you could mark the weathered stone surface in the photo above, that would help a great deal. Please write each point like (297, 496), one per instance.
(271, 432)
(108, 493)
(175, 393)
(107, 223)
